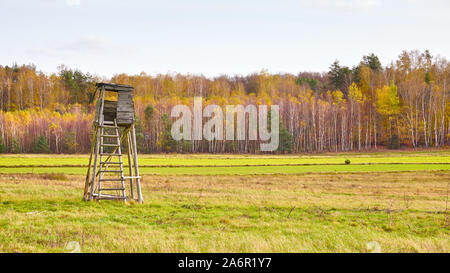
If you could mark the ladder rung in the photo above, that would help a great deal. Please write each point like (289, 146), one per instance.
(110, 126)
(107, 162)
(131, 177)
(111, 171)
(111, 179)
(110, 145)
(111, 197)
(112, 189)
(108, 122)
(109, 135)
(111, 154)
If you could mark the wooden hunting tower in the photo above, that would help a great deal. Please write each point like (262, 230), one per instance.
(113, 129)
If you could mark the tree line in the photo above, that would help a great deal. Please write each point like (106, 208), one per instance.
(368, 106)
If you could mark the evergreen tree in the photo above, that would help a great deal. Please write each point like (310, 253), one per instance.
(140, 137)
(340, 76)
(148, 113)
(2, 146)
(286, 140)
(394, 142)
(78, 84)
(168, 144)
(372, 62)
(15, 146)
(40, 146)
(310, 81)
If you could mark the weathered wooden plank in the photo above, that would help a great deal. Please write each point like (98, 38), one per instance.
(122, 121)
(125, 100)
(125, 109)
(110, 105)
(125, 104)
(125, 115)
(125, 95)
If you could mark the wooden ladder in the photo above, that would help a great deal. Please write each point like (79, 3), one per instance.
(110, 131)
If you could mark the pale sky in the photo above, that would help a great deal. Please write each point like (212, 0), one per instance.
(106, 37)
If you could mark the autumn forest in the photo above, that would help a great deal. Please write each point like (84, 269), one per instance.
(404, 104)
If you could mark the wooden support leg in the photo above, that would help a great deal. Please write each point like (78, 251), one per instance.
(136, 167)
(88, 175)
(130, 163)
(94, 168)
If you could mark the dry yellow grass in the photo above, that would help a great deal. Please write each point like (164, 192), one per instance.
(402, 212)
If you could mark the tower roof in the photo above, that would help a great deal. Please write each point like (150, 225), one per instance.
(115, 87)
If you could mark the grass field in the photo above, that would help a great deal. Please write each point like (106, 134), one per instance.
(225, 203)
(238, 164)
(13, 160)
